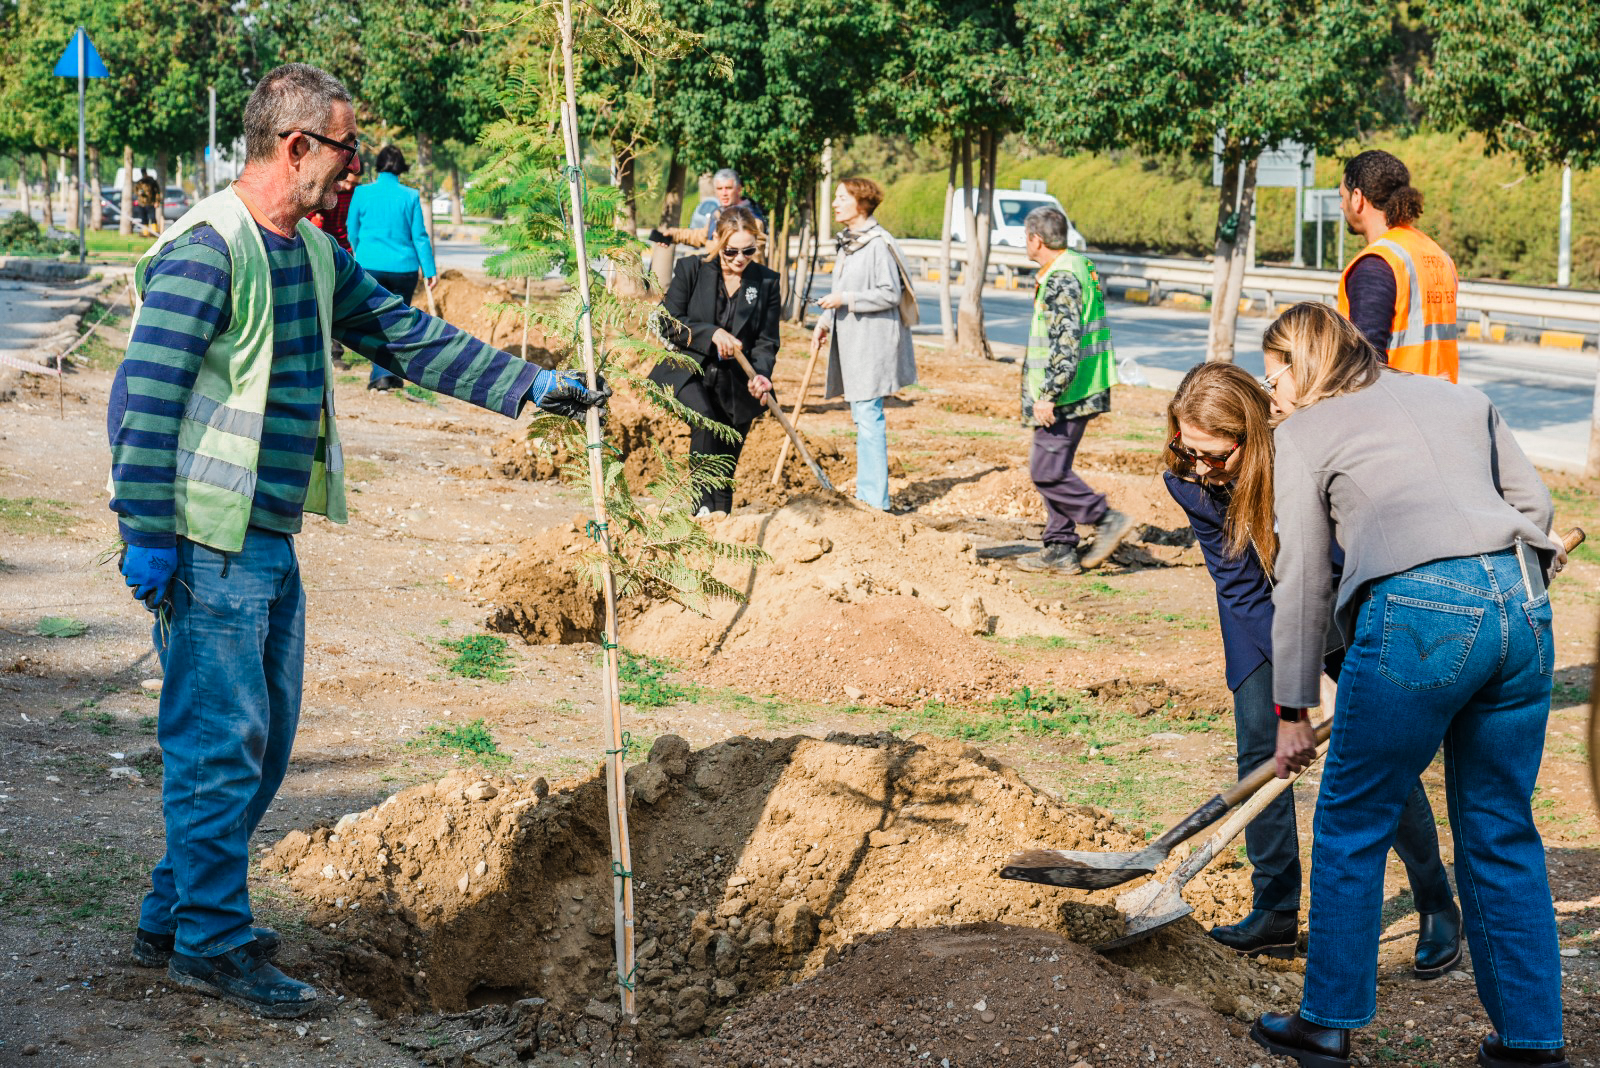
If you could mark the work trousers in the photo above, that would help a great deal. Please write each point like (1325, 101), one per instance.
(234, 661)
(695, 395)
(1452, 652)
(1272, 840)
(1068, 499)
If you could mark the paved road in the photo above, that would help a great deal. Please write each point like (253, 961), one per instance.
(1545, 394)
(30, 313)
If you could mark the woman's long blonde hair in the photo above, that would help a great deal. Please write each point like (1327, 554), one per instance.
(1221, 399)
(732, 221)
(1326, 354)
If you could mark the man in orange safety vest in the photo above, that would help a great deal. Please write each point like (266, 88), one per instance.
(1400, 290)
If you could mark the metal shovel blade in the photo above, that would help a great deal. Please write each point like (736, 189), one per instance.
(1147, 909)
(1080, 870)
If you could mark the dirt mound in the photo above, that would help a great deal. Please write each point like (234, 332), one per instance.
(754, 863)
(978, 995)
(633, 422)
(542, 599)
(463, 302)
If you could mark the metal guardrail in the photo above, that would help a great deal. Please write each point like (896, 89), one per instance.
(1481, 300)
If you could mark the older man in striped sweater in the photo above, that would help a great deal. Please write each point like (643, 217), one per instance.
(222, 437)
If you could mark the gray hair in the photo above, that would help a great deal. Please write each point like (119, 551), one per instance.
(727, 174)
(1048, 224)
(295, 96)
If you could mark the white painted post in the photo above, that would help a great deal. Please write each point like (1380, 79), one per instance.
(1299, 209)
(211, 142)
(1564, 255)
(83, 81)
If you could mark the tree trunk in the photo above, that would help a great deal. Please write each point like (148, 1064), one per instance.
(809, 263)
(778, 248)
(796, 307)
(946, 320)
(161, 195)
(23, 186)
(49, 206)
(1222, 250)
(457, 213)
(125, 222)
(202, 180)
(1225, 307)
(94, 188)
(627, 185)
(971, 340)
(627, 279)
(425, 181)
(671, 213)
(76, 198)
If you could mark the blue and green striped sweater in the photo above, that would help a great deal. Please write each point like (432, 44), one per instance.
(187, 303)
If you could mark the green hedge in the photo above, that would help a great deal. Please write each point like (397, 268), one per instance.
(1495, 221)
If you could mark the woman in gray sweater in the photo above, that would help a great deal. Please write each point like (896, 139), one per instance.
(870, 354)
(1444, 524)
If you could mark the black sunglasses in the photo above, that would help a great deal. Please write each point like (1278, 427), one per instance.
(1213, 462)
(729, 252)
(352, 150)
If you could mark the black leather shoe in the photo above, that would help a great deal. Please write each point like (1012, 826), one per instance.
(1262, 933)
(1491, 1054)
(386, 383)
(1438, 943)
(245, 977)
(153, 950)
(1308, 1045)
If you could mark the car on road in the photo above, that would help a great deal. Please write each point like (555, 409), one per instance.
(110, 207)
(702, 214)
(175, 203)
(1010, 208)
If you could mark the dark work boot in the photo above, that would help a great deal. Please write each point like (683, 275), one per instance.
(245, 977)
(1061, 559)
(1272, 934)
(1491, 1054)
(1438, 943)
(153, 950)
(1108, 534)
(1307, 1044)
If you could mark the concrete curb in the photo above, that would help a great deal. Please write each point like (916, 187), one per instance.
(33, 269)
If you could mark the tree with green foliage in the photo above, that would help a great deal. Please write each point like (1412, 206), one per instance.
(1526, 76)
(1166, 77)
(953, 70)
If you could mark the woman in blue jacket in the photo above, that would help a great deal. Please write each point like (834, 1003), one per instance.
(1219, 469)
(385, 229)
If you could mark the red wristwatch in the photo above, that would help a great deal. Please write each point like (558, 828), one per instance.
(1288, 714)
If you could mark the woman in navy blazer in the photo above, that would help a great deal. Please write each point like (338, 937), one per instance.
(1219, 469)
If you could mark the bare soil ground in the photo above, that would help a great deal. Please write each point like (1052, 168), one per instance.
(825, 782)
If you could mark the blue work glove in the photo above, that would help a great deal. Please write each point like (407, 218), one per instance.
(563, 393)
(149, 572)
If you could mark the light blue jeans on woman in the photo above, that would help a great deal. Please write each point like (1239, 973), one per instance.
(1452, 651)
(872, 453)
(234, 660)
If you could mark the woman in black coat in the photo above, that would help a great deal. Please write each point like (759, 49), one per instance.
(721, 303)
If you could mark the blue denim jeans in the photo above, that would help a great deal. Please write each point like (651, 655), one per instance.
(1272, 840)
(872, 453)
(1453, 652)
(234, 660)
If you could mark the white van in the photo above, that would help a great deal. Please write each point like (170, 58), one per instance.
(1011, 207)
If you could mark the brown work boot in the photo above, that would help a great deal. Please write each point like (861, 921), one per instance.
(1109, 533)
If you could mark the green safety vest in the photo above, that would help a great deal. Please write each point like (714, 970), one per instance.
(1097, 364)
(219, 437)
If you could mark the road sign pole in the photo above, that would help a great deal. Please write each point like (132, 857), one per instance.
(211, 155)
(1299, 216)
(83, 81)
(1564, 254)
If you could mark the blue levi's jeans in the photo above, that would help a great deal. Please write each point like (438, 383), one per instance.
(1453, 652)
(872, 453)
(234, 661)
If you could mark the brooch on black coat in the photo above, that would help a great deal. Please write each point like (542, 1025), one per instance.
(749, 294)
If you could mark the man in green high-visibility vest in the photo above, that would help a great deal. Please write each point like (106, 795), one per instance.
(1067, 377)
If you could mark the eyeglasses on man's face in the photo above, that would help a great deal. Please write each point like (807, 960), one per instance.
(351, 149)
(733, 252)
(1211, 460)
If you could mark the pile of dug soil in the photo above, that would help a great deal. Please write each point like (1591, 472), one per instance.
(754, 863)
(633, 424)
(977, 995)
(464, 302)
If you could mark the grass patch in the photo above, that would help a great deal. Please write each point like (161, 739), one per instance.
(1063, 714)
(84, 883)
(34, 515)
(426, 396)
(102, 723)
(644, 682)
(107, 242)
(478, 656)
(1563, 694)
(1103, 588)
(470, 743)
(60, 627)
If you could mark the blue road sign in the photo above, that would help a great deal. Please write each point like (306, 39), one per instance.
(67, 65)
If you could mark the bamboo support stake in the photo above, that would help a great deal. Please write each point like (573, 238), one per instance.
(527, 310)
(616, 786)
(794, 416)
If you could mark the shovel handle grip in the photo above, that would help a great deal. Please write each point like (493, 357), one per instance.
(1267, 771)
(1573, 538)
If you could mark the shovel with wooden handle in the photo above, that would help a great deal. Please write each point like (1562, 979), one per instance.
(794, 416)
(783, 421)
(1149, 908)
